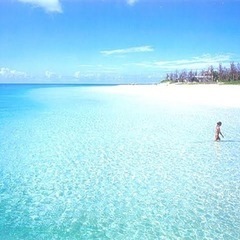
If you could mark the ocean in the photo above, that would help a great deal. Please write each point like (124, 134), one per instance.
(80, 162)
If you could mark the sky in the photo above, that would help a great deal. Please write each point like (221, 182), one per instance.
(114, 41)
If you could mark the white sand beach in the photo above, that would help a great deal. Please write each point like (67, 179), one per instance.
(218, 95)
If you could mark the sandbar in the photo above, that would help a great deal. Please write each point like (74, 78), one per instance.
(218, 95)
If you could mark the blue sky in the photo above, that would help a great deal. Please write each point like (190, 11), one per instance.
(114, 41)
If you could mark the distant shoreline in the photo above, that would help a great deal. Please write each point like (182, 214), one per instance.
(201, 83)
(123, 84)
(183, 94)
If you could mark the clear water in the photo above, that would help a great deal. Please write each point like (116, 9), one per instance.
(80, 163)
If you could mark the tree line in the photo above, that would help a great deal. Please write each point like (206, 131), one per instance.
(211, 74)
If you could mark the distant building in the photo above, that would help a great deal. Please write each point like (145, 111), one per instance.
(205, 77)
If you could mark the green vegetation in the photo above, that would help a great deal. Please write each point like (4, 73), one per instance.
(221, 74)
(237, 82)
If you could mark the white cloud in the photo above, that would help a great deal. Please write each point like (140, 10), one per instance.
(194, 63)
(128, 50)
(77, 74)
(131, 2)
(9, 73)
(100, 68)
(49, 74)
(48, 5)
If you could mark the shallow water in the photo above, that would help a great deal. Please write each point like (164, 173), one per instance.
(80, 163)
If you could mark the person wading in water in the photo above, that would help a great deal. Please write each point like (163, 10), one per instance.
(218, 132)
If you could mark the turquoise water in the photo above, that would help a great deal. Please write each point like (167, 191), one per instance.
(77, 162)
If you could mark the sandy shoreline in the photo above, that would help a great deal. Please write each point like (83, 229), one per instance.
(208, 94)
